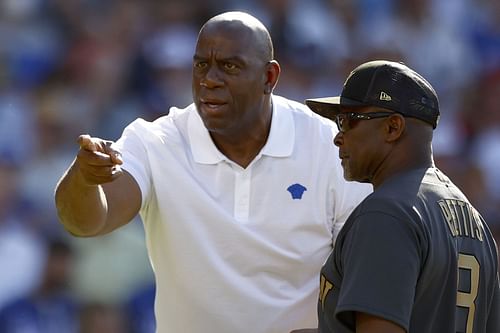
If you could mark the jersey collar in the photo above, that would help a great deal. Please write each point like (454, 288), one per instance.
(279, 144)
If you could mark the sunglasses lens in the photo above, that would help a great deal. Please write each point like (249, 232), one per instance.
(345, 121)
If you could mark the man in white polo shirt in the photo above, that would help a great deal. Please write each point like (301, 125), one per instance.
(237, 194)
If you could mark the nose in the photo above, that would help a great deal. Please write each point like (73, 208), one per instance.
(338, 140)
(211, 78)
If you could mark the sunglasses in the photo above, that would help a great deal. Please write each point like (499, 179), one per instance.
(345, 121)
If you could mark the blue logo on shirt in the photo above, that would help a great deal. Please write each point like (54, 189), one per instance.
(296, 190)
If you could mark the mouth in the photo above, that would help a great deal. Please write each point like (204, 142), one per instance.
(212, 101)
(343, 159)
(211, 105)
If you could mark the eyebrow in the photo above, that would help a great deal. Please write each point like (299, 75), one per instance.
(236, 59)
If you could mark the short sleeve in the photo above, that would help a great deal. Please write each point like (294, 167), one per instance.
(381, 262)
(134, 154)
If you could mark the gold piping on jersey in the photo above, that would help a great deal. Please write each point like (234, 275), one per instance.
(325, 287)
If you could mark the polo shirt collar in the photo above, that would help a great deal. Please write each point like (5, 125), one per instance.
(279, 144)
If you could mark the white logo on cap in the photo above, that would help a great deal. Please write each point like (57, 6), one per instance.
(385, 97)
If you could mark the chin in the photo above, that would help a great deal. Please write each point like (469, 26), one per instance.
(353, 178)
(348, 177)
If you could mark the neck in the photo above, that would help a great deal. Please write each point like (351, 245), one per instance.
(393, 165)
(241, 152)
(243, 144)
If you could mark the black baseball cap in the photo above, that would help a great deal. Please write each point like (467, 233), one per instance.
(386, 84)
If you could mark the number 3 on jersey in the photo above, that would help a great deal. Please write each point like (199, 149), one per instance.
(467, 299)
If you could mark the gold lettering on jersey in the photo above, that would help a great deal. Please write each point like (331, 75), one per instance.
(324, 288)
(464, 216)
(463, 220)
(448, 217)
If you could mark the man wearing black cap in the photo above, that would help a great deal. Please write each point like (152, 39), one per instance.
(414, 256)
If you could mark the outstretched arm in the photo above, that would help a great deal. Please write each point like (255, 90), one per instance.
(95, 196)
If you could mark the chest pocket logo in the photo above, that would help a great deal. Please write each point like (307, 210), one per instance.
(296, 190)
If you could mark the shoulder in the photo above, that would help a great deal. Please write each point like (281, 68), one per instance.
(399, 195)
(382, 215)
(306, 120)
(285, 103)
(173, 122)
(300, 110)
(377, 221)
(381, 203)
(384, 205)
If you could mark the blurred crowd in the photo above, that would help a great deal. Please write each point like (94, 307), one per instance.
(69, 67)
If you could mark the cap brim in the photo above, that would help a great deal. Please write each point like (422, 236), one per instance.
(329, 107)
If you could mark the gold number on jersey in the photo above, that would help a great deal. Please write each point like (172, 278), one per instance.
(467, 299)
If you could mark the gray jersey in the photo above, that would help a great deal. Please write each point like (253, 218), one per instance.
(403, 252)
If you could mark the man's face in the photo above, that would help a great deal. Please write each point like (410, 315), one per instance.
(228, 79)
(360, 144)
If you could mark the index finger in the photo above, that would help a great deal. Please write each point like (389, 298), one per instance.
(85, 142)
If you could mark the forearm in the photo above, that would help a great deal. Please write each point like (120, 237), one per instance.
(82, 208)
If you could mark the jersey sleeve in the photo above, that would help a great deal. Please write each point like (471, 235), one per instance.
(134, 154)
(380, 261)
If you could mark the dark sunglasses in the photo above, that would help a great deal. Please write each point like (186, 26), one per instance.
(345, 120)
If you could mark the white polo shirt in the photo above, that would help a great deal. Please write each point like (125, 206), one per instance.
(234, 249)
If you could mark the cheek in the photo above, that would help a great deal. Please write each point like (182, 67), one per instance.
(372, 156)
(195, 86)
(360, 153)
(246, 89)
(248, 102)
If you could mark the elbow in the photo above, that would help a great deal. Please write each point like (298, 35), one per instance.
(79, 228)
(79, 234)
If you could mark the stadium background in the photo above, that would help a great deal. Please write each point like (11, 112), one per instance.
(88, 66)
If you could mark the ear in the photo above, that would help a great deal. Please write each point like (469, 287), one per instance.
(273, 70)
(394, 127)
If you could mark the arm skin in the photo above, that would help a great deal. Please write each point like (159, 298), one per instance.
(366, 323)
(95, 196)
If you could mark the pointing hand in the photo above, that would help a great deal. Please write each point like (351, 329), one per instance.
(97, 162)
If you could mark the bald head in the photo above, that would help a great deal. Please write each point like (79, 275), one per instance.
(243, 23)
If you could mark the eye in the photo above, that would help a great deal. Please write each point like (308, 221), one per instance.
(230, 66)
(200, 64)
